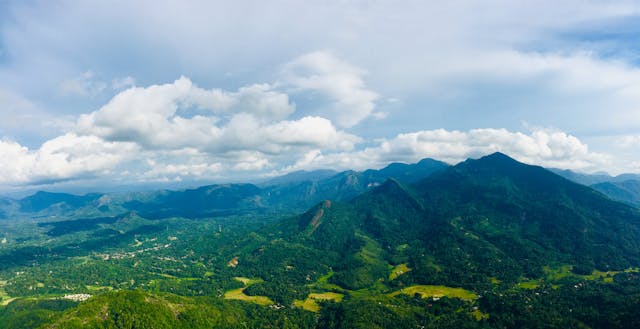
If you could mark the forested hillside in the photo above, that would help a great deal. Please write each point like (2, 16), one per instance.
(487, 243)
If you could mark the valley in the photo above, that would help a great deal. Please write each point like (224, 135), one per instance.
(487, 243)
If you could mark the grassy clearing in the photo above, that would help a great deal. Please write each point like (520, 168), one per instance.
(4, 295)
(311, 303)
(334, 296)
(323, 283)
(597, 275)
(436, 291)
(608, 275)
(98, 288)
(246, 281)
(479, 315)
(238, 294)
(398, 270)
(5, 299)
(557, 273)
(529, 285)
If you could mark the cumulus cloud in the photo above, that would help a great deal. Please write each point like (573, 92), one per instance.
(180, 114)
(322, 72)
(182, 131)
(464, 65)
(546, 147)
(66, 157)
(163, 171)
(71, 156)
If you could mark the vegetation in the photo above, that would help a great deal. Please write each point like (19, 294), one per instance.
(436, 291)
(489, 243)
(238, 294)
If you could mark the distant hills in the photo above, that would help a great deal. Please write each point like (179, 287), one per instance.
(290, 193)
(486, 243)
(43, 200)
(300, 176)
(627, 191)
(488, 218)
(624, 188)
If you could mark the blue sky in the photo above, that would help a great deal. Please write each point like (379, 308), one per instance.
(120, 92)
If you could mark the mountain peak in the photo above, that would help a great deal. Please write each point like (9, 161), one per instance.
(494, 162)
(498, 158)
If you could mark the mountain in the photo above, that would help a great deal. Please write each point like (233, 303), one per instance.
(43, 200)
(627, 191)
(290, 193)
(487, 243)
(624, 188)
(592, 179)
(348, 184)
(300, 176)
(406, 173)
(205, 201)
(488, 218)
(520, 236)
(529, 213)
(580, 178)
(4, 204)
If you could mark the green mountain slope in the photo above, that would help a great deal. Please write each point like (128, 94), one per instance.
(487, 243)
(205, 201)
(492, 218)
(534, 214)
(291, 193)
(348, 184)
(43, 200)
(627, 191)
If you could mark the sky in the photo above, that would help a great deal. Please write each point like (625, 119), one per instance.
(100, 94)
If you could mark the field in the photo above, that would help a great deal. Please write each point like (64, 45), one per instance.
(436, 291)
(238, 294)
(5, 299)
(311, 303)
(398, 270)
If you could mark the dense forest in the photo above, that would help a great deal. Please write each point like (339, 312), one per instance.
(488, 243)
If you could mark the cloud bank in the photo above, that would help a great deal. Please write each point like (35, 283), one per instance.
(179, 131)
(546, 147)
(228, 91)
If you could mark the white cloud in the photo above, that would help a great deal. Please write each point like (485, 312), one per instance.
(65, 157)
(123, 83)
(264, 103)
(628, 142)
(546, 147)
(178, 171)
(73, 157)
(24, 119)
(16, 170)
(251, 119)
(177, 131)
(458, 66)
(322, 72)
(84, 85)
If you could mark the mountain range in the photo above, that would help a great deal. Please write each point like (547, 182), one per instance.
(290, 193)
(486, 243)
